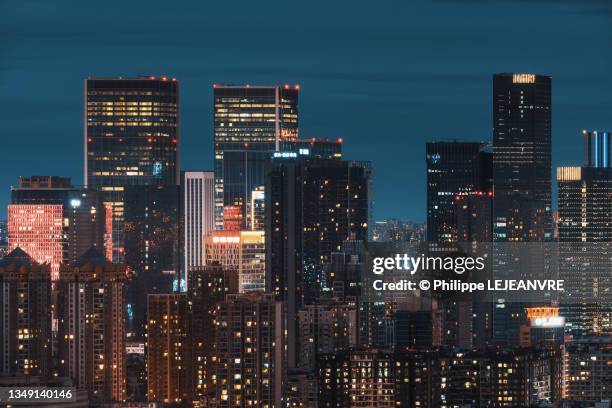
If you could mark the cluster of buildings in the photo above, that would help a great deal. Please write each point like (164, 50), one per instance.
(244, 285)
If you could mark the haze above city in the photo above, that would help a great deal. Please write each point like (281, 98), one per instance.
(385, 76)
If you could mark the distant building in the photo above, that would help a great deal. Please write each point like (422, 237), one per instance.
(250, 349)
(169, 349)
(197, 198)
(131, 138)
(3, 238)
(240, 251)
(92, 326)
(25, 296)
(392, 230)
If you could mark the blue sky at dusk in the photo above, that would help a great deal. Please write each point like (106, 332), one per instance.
(387, 76)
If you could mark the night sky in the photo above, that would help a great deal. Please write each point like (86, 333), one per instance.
(385, 75)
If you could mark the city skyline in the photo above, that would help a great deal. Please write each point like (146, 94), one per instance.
(409, 96)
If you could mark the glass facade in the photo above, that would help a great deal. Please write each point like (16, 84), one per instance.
(131, 138)
(250, 123)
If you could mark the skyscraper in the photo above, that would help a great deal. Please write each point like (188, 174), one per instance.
(25, 298)
(522, 150)
(250, 123)
(249, 348)
(92, 326)
(169, 348)
(312, 207)
(131, 138)
(522, 144)
(454, 169)
(585, 238)
(197, 197)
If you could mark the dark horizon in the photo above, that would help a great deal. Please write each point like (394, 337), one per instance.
(404, 74)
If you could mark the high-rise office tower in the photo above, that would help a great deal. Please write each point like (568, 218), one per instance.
(25, 297)
(92, 326)
(453, 169)
(242, 252)
(131, 138)
(197, 198)
(38, 230)
(209, 285)
(152, 242)
(249, 348)
(312, 207)
(169, 349)
(585, 238)
(522, 144)
(250, 123)
(83, 211)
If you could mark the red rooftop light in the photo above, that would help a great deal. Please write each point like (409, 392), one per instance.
(297, 87)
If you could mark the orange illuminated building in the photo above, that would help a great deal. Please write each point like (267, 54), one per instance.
(240, 251)
(38, 230)
(232, 218)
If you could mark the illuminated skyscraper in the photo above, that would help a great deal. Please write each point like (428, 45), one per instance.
(522, 144)
(131, 138)
(169, 349)
(197, 197)
(25, 298)
(249, 348)
(522, 150)
(92, 326)
(250, 123)
(242, 252)
(38, 230)
(585, 238)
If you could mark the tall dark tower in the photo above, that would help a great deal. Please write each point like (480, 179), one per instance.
(522, 143)
(454, 169)
(313, 207)
(131, 139)
(251, 122)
